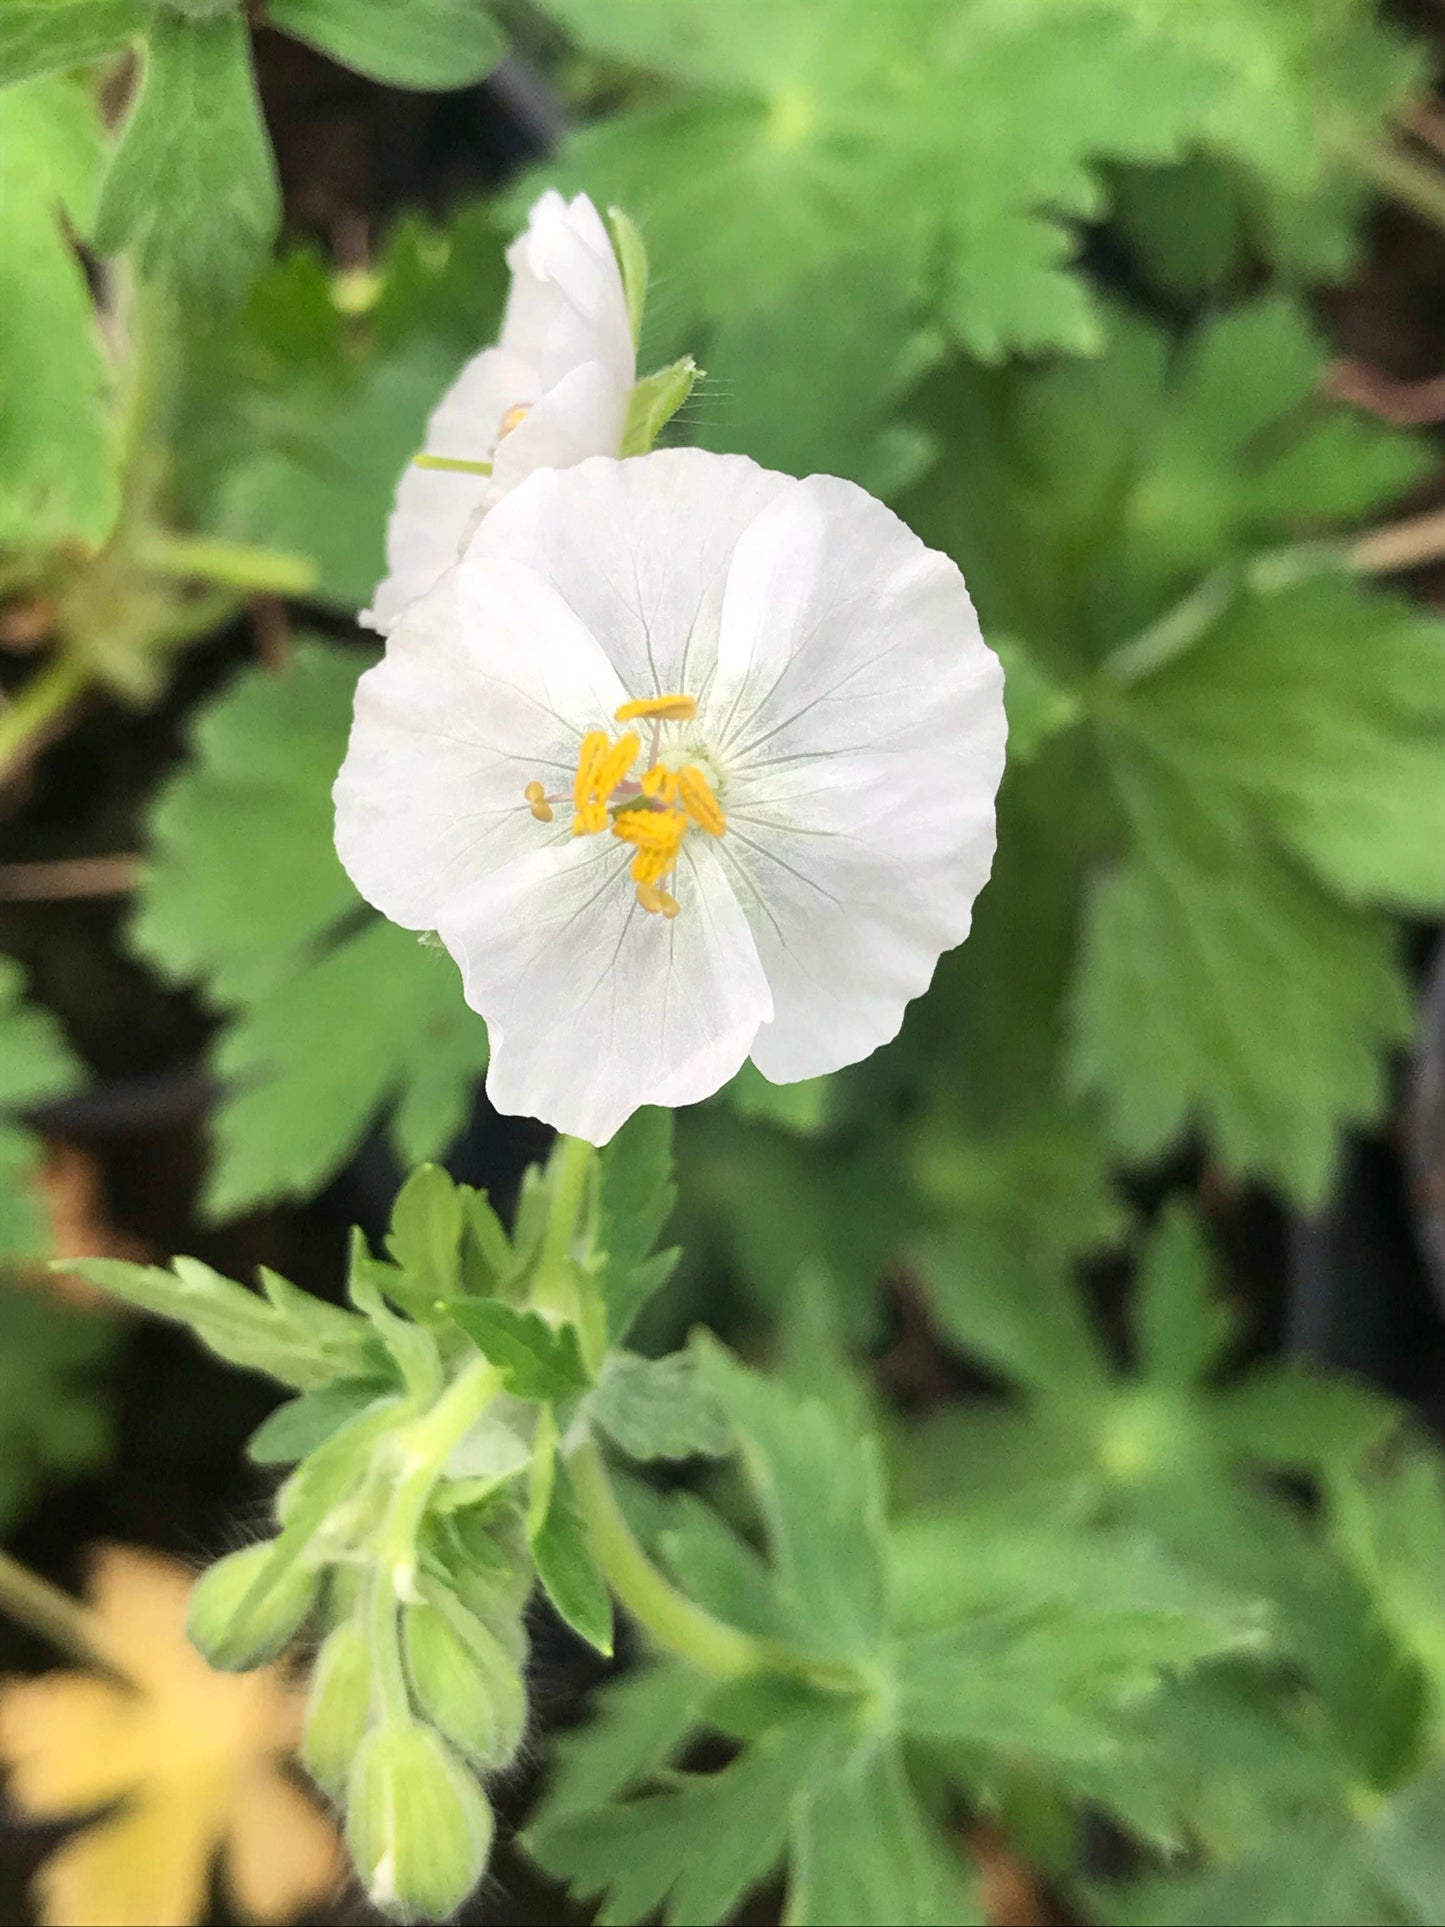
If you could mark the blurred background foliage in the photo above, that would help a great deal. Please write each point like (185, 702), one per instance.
(1132, 307)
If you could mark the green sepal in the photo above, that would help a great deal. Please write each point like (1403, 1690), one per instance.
(653, 403)
(631, 253)
(296, 1428)
(248, 1607)
(338, 1707)
(464, 1679)
(418, 1825)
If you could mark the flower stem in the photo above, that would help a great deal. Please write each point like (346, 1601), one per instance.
(429, 1442)
(1401, 545)
(25, 719)
(1405, 177)
(234, 565)
(52, 1614)
(655, 1603)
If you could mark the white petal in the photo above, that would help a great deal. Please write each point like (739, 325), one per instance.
(640, 550)
(584, 414)
(488, 683)
(862, 745)
(567, 303)
(436, 509)
(593, 1007)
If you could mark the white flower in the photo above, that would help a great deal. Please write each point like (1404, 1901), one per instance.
(684, 761)
(553, 391)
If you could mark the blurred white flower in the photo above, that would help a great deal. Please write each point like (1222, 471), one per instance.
(553, 391)
(684, 761)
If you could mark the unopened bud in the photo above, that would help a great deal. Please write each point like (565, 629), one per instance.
(418, 1825)
(247, 1608)
(465, 1682)
(338, 1708)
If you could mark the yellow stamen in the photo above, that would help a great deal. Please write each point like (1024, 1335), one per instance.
(513, 418)
(670, 905)
(536, 796)
(661, 709)
(660, 784)
(696, 795)
(650, 898)
(614, 766)
(594, 748)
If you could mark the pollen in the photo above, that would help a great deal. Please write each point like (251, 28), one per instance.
(513, 418)
(651, 812)
(659, 709)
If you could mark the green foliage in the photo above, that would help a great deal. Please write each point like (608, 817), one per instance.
(297, 960)
(191, 186)
(59, 475)
(35, 1063)
(55, 1418)
(657, 1408)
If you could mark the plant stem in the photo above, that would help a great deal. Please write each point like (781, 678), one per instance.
(1405, 178)
(1402, 545)
(25, 719)
(429, 1442)
(654, 1602)
(234, 565)
(390, 1698)
(452, 464)
(52, 1614)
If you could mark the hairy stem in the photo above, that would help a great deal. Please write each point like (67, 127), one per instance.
(429, 1442)
(654, 1602)
(52, 1614)
(554, 1289)
(28, 716)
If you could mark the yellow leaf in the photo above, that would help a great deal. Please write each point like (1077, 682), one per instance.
(196, 1759)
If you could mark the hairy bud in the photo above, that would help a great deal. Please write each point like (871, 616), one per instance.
(338, 1709)
(465, 1681)
(247, 1608)
(418, 1825)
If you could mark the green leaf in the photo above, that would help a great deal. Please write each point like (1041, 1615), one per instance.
(192, 186)
(865, 1851)
(426, 1232)
(294, 1430)
(59, 479)
(635, 1196)
(1219, 986)
(653, 403)
(290, 1336)
(55, 1419)
(819, 1493)
(1287, 1414)
(801, 1107)
(1408, 1841)
(35, 1063)
(333, 1015)
(540, 1361)
(693, 1852)
(46, 36)
(429, 44)
(658, 1408)
(1182, 1328)
(558, 1539)
(814, 126)
(637, 1722)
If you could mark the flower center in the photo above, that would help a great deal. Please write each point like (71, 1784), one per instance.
(653, 812)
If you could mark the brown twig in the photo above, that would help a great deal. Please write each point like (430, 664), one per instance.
(1401, 545)
(76, 876)
(1404, 404)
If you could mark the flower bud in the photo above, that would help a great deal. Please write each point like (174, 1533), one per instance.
(338, 1708)
(418, 1825)
(465, 1682)
(240, 1616)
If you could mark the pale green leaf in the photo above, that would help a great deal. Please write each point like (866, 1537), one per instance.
(46, 36)
(192, 185)
(658, 1408)
(432, 44)
(35, 1063)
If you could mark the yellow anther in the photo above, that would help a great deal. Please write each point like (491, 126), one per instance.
(591, 818)
(536, 796)
(614, 765)
(651, 829)
(660, 784)
(660, 709)
(670, 905)
(650, 898)
(513, 418)
(696, 795)
(594, 748)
